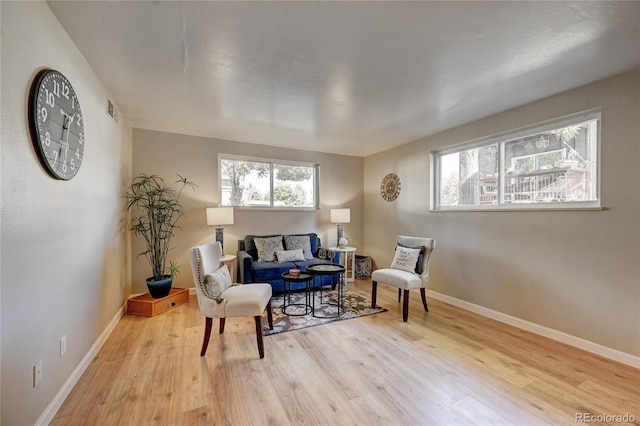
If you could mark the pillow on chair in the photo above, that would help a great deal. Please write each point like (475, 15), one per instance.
(217, 282)
(267, 247)
(405, 258)
(420, 263)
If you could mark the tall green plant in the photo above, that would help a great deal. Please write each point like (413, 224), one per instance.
(158, 211)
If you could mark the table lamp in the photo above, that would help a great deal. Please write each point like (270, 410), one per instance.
(217, 216)
(340, 217)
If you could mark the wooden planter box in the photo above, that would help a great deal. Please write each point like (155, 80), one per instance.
(150, 307)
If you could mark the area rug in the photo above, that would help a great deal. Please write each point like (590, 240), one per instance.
(355, 306)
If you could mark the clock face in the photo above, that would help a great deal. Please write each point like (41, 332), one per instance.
(56, 123)
(390, 187)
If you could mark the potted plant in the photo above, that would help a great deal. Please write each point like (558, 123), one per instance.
(157, 213)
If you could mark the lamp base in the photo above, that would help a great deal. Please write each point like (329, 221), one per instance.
(340, 232)
(220, 237)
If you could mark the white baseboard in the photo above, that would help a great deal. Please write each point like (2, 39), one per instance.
(65, 390)
(559, 336)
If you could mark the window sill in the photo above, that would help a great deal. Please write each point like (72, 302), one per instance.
(274, 209)
(520, 209)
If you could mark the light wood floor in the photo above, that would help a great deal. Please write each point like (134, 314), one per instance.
(445, 367)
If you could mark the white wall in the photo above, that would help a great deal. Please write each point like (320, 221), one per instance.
(63, 248)
(170, 154)
(573, 271)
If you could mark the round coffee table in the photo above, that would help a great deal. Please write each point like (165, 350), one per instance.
(287, 279)
(320, 269)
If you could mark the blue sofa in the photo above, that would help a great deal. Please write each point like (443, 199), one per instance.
(252, 271)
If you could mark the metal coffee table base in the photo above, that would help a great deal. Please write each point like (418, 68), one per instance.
(339, 304)
(328, 269)
(286, 295)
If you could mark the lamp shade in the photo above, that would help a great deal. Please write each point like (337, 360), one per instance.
(220, 216)
(340, 215)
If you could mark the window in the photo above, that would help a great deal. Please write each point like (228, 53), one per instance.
(550, 165)
(251, 182)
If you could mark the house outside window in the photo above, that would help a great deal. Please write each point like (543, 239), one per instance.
(549, 165)
(255, 182)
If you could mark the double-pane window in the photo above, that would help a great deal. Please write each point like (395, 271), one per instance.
(250, 182)
(549, 165)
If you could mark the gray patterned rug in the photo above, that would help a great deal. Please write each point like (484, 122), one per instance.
(354, 306)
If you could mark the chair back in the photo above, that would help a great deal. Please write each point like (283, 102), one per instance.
(428, 243)
(204, 260)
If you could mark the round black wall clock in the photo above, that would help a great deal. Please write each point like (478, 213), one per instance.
(390, 187)
(56, 124)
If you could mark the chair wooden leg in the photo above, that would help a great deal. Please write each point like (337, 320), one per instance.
(207, 333)
(399, 294)
(269, 315)
(374, 293)
(222, 325)
(259, 336)
(424, 299)
(405, 306)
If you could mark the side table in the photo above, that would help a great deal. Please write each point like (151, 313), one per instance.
(230, 261)
(348, 251)
(286, 293)
(320, 269)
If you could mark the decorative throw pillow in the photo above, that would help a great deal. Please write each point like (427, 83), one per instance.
(217, 282)
(250, 246)
(405, 259)
(303, 242)
(267, 247)
(289, 255)
(420, 263)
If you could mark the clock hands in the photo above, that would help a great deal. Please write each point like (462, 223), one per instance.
(66, 143)
(64, 139)
(65, 123)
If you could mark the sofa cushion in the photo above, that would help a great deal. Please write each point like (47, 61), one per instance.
(303, 242)
(268, 271)
(267, 247)
(314, 241)
(289, 255)
(250, 245)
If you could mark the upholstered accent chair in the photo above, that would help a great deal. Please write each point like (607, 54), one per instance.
(219, 298)
(409, 270)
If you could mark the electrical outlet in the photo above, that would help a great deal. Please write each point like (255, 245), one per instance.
(63, 345)
(37, 373)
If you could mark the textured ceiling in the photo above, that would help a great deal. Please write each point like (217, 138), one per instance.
(344, 77)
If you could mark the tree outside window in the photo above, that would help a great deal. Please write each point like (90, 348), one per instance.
(262, 183)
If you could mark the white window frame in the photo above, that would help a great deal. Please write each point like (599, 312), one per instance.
(272, 162)
(501, 139)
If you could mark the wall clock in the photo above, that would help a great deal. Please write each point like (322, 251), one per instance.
(390, 187)
(56, 124)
